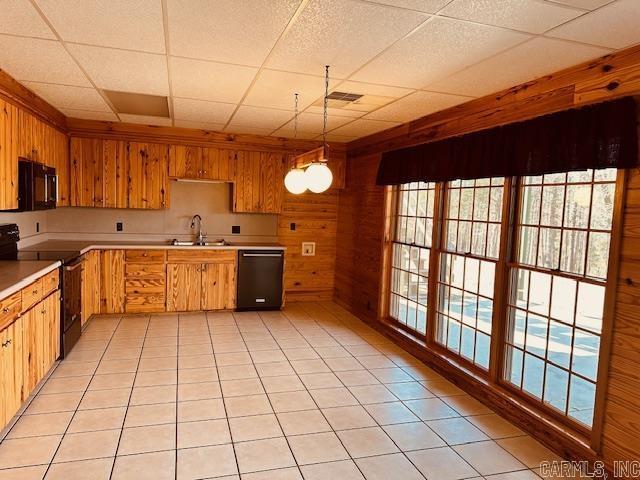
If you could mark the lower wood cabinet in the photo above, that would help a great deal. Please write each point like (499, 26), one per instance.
(11, 371)
(90, 285)
(144, 281)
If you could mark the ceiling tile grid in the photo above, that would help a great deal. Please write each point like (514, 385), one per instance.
(235, 65)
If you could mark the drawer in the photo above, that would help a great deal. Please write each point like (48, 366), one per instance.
(50, 282)
(10, 308)
(202, 256)
(139, 303)
(145, 256)
(145, 270)
(145, 285)
(31, 295)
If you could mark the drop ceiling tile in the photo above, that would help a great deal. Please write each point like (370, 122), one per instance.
(248, 129)
(583, 4)
(260, 117)
(614, 25)
(199, 125)
(20, 18)
(123, 70)
(276, 89)
(205, 80)
(312, 122)
(36, 60)
(65, 96)
(531, 16)
(416, 105)
(289, 133)
(202, 111)
(116, 23)
(372, 89)
(362, 127)
(88, 115)
(525, 62)
(331, 137)
(233, 31)
(428, 6)
(340, 112)
(341, 33)
(146, 120)
(440, 47)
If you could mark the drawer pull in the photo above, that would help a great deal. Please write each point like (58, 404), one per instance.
(35, 292)
(7, 343)
(5, 310)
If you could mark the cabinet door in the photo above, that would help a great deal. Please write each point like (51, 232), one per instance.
(32, 349)
(272, 182)
(218, 286)
(114, 163)
(247, 195)
(61, 164)
(87, 186)
(90, 285)
(51, 322)
(185, 161)
(148, 175)
(112, 295)
(183, 287)
(8, 156)
(217, 164)
(11, 357)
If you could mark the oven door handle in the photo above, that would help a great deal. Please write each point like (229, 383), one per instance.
(73, 267)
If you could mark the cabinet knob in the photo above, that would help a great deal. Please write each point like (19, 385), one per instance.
(145, 254)
(7, 343)
(35, 292)
(5, 310)
(204, 171)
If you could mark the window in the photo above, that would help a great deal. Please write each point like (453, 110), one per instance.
(467, 267)
(547, 304)
(411, 251)
(557, 289)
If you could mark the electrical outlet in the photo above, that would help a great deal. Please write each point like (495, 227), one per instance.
(235, 229)
(292, 226)
(308, 249)
(37, 227)
(119, 226)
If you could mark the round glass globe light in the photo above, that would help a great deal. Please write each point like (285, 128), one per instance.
(319, 177)
(296, 181)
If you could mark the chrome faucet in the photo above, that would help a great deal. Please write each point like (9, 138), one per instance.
(201, 237)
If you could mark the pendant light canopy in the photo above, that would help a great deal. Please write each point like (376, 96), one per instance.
(310, 170)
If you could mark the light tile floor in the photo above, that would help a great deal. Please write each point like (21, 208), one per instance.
(310, 392)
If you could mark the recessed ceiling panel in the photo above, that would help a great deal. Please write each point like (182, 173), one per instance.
(205, 80)
(65, 96)
(133, 25)
(362, 127)
(427, 6)
(261, 117)
(532, 59)
(202, 111)
(526, 15)
(138, 103)
(616, 25)
(341, 33)
(276, 89)
(33, 59)
(439, 48)
(20, 18)
(124, 70)
(416, 105)
(233, 31)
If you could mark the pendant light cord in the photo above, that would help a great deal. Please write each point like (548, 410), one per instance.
(295, 118)
(326, 104)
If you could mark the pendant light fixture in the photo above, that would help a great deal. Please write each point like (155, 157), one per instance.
(296, 181)
(310, 169)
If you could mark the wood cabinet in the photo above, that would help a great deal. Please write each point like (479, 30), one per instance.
(8, 156)
(148, 175)
(112, 293)
(201, 280)
(90, 285)
(145, 281)
(192, 162)
(11, 358)
(258, 182)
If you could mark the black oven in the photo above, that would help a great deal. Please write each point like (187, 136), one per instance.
(37, 186)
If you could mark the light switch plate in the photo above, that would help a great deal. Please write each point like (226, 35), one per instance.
(308, 249)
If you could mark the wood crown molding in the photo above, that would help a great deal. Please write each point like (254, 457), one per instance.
(610, 76)
(16, 93)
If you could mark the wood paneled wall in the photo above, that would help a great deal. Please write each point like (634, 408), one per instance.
(361, 217)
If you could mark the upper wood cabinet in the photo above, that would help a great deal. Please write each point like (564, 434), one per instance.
(209, 163)
(8, 156)
(258, 182)
(118, 174)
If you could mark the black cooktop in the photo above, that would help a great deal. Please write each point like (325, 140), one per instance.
(65, 256)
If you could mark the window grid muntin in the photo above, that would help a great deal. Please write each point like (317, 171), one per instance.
(446, 322)
(582, 278)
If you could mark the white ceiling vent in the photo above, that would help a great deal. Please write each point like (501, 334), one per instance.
(355, 101)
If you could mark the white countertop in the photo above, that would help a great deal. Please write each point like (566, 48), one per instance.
(17, 274)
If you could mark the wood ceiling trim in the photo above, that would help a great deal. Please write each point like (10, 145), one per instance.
(13, 91)
(610, 76)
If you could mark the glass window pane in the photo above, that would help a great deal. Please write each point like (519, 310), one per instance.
(590, 307)
(472, 274)
(586, 349)
(598, 259)
(559, 348)
(581, 400)
(576, 207)
(528, 249)
(563, 299)
(556, 387)
(574, 246)
(549, 248)
(487, 278)
(468, 341)
(536, 340)
(532, 377)
(482, 350)
(602, 206)
(513, 366)
(539, 293)
(552, 202)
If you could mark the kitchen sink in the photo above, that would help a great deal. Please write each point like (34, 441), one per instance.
(186, 243)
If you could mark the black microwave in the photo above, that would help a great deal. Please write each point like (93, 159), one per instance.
(37, 186)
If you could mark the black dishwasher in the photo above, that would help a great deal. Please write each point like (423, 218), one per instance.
(260, 279)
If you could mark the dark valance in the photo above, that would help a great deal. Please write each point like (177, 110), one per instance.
(596, 136)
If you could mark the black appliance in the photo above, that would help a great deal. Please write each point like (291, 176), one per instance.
(260, 279)
(70, 282)
(37, 186)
